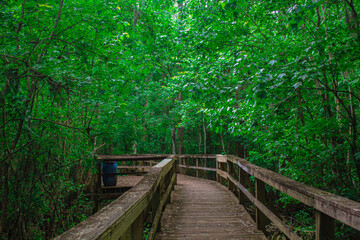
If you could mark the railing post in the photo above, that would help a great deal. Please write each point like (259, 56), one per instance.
(242, 180)
(220, 161)
(137, 228)
(197, 170)
(229, 171)
(260, 192)
(325, 227)
(184, 162)
(175, 169)
(167, 181)
(179, 160)
(155, 204)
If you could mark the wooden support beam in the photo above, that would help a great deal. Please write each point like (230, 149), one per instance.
(184, 163)
(325, 227)
(200, 168)
(121, 217)
(276, 221)
(342, 209)
(229, 183)
(155, 203)
(243, 180)
(260, 194)
(157, 215)
(197, 166)
(137, 228)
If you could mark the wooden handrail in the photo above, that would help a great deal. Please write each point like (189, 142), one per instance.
(124, 217)
(337, 207)
(184, 167)
(327, 206)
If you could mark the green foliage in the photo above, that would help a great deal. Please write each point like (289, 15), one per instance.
(273, 81)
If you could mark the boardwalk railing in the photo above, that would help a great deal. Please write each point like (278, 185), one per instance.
(236, 172)
(198, 165)
(124, 218)
(141, 163)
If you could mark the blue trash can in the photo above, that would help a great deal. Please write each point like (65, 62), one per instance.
(109, 177)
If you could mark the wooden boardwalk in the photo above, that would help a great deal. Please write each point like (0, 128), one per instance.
(204, 209)
(124, 182)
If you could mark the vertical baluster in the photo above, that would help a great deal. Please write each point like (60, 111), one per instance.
(260, 194)
(197, 170)
(229, 171)
(137, 228)
(242, 180)
(325, 227)
(155, 204)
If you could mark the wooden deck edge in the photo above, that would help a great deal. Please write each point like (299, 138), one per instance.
(342, 209)
(113, 220)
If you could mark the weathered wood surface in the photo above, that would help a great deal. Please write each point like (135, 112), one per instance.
(135, 168)
(125, 182)
(198, 168)
(339, 208)
(126, 213)
(203, 209)
(260, 206)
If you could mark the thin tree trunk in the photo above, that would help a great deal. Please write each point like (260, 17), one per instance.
(204, 129)
(199, 142)
(173, 137)
(222, 143)
(52, 32)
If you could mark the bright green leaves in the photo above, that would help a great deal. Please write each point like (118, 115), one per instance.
(278, 76)
(283, 63)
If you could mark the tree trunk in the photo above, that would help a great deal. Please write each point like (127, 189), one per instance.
(173, 137)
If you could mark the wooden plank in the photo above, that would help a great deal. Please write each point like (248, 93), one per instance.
(245, 181)
(260, 194)
(118, 226)
(124, 173)
(157, 217)
(116, 218)
(105, 196)
(277, 222)
(125, 182)
(200, 168)
(155, 203)
(342, 209)
(204, 209)
(229, 171)
(137, 228)
(136, 168)
(165, 165)
(222, 173)
(325, 226)
(221, 158)
(197, 168)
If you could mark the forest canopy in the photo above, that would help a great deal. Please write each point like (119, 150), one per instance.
(276, 82)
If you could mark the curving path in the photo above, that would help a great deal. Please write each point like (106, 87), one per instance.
(204, 209)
